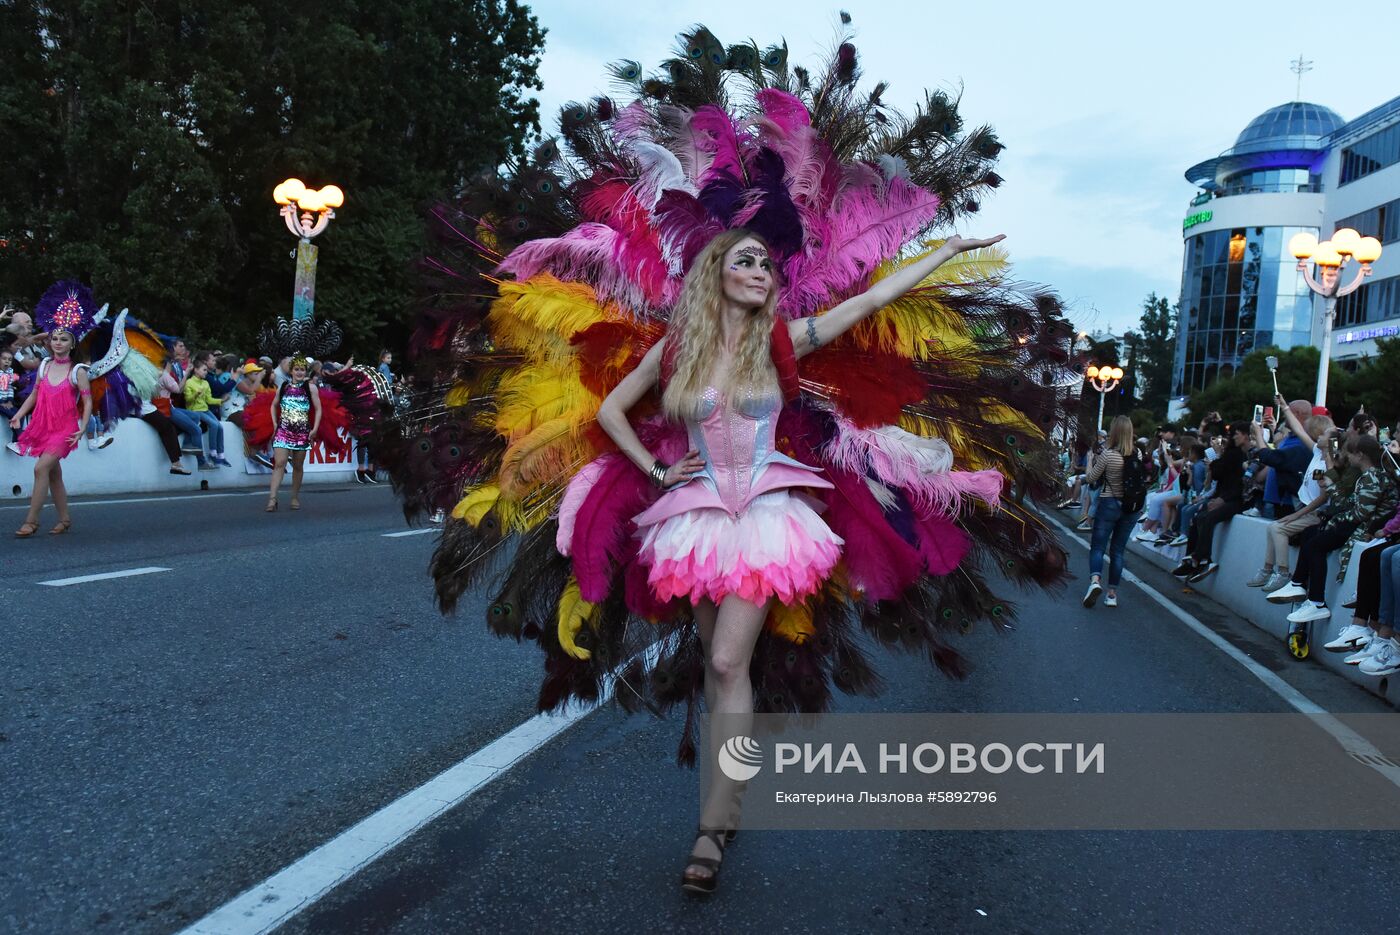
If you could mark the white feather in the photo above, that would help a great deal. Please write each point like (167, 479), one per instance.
(661, 172)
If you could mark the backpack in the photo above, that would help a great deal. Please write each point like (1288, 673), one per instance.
(1134, 484)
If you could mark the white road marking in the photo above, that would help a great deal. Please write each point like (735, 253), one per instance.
(1352, 742)
(275, 900)
(105, 576)
(202, 495)
(408, 532)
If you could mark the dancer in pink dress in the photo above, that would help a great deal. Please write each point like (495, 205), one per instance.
(737, 532)
(65, 313)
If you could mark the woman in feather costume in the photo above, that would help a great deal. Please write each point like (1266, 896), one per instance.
(549, 291)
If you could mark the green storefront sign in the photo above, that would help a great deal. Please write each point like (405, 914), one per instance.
(1200, 217)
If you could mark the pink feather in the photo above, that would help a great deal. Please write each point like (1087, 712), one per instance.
(603, 525)
(684, 227)
(878, 561)
(716, 131)
(783, 109)
(573, 498)
(921, 467)
(676, 130)
(942, 543)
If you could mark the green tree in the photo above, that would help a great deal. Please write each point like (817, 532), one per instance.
(1156, 353)
(144, 140)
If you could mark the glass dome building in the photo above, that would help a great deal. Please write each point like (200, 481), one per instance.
(1240, 288)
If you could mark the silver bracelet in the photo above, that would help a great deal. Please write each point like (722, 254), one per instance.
(812, 333)
(658, 473)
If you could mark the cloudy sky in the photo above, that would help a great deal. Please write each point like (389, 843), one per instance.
(1102, 106)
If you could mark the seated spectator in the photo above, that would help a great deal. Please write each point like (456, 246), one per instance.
(250, 379)
(1192, 484)
(198, 401)
(1228, 502)
(1371, 497)
(1371, 633)
(1288, 459)
(9, 384)
(386, 360)
(166, 389)
(166, 431)
(1311, 435)
(1168, 471)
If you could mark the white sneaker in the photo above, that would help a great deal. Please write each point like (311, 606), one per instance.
(1310, 612)
(13, 446)
(1110, 600)
(1352, 637)
(1179, 540)
(1085, 526)
(1091, 596)
(439, 516)
(1287, 594)
(1252, 511)
(1261, 578)
(1369, 644)
(1145, 536)
(104, 440)
(1278, 579)
(1384, 661)
(92, 444)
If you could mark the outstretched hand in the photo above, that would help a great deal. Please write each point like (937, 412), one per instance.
(963, 244)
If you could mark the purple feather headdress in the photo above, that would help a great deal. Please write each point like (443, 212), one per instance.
(66, 306)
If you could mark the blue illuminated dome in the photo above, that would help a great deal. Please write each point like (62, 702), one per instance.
(1291, 135)
(1295, 125)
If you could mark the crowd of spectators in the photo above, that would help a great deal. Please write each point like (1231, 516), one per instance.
(198, 390)
(1324, 488)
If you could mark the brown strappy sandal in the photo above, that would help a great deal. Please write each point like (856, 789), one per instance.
(697, 884)
(61, 527)
(271, 505)
(26, 530)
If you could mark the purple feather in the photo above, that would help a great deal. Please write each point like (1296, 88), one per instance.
(768, 209)
(118, 402)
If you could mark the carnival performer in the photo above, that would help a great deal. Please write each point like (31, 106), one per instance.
(607, 397)
(65, 313)
(734, 533)
(297, 412)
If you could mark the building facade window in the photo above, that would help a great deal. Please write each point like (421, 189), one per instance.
(1370, 154)
(1382, 222)
(1239, 291)
(1377, 300)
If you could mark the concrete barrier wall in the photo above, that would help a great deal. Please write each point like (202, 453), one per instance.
(136, 463)
(1239, 548)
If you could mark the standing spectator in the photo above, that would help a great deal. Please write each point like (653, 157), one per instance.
(1228, 502)
(1116, 513)
(198, 401)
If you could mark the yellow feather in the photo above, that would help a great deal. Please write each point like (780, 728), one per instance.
(475, 505)
(549, 454)
(574, 611)
(459, 395)
(792, 623)
(528, 397)
(539, 315)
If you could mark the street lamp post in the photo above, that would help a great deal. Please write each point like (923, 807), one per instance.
(1329, 257)
(1103, 379)
(308, 212)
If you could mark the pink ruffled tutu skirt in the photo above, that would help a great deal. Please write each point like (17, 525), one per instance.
(778, 547)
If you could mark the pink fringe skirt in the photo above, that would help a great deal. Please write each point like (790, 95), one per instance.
(778, 547)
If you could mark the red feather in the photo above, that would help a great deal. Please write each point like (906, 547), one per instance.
(869, 387)
(257, 420)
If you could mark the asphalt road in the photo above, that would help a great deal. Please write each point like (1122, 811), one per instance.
(170, 740)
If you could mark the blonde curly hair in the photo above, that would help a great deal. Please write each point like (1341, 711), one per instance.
(696, 333)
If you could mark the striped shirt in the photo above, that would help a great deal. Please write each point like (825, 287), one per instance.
(1109, 467)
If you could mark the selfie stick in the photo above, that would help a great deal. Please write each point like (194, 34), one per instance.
(1273, 371)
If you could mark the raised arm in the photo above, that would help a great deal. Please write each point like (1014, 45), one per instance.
(1293, 424)
(808, 334)
(612, 416)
